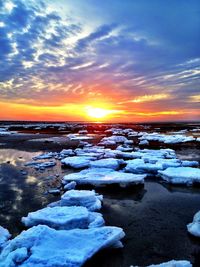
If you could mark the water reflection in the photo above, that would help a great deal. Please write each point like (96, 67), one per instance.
(181, 188)
(153, 216)
(153, 219)
(22, 189)
(31, 179)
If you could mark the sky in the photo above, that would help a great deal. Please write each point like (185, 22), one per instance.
(137, 60)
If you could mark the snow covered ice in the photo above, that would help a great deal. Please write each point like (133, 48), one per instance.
(84, 198)
(40, 165)
(77, 137)
(104, 176)
(194, 227)
(124, 148)
(107, 163)
(154, 164)
(167, 139)
(181, 175)
(114, 139)
(139, 166)
(63, 218)
(41, 246)
(70, 186)
(173, 263)
(77, 162)
(4, 236)
(45, 156)
(144, 142)
(66, 152)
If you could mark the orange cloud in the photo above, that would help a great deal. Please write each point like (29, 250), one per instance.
(147, 98)
(195, 98)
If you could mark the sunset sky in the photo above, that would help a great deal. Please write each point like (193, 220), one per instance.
(131, 60)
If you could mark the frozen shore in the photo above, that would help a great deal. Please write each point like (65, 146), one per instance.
(127, 164)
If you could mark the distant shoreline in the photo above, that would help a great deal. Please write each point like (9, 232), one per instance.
(105, 122)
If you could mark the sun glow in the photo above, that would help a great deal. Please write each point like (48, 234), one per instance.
(97, 113)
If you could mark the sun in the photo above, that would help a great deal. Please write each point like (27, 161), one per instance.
(97, 113)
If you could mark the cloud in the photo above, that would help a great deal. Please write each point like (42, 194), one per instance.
(195, 98)
(140, 53)
(147, 98)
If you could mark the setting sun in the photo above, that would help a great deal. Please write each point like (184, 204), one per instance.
(97, 113)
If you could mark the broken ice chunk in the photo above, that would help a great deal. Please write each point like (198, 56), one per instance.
(49, 247)
(181, 175)
(194, 227)
(64, 218)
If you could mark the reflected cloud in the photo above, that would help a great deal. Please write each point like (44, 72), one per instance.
(31, 179)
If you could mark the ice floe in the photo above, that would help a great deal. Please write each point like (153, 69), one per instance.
(83, 132)
(147, 154)
(77, 137)
(181, 175)
(194, 227)
(104, 176)
(3, 133)
(40, 165)
(159, 153)
(45, 156)
(85, 198)
(41, 246)
(54, 191)
(107, 163)
(173, 263)
(124, 148)
(152, 161)
(70, 186)
(4, 236)
(139, 166)
(77, 162)
(67, 152)
(114, 139)
(64, 218)
(144, 142)
(167, 139)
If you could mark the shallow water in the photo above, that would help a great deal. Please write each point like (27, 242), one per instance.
(23, 189)
(154, 217)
